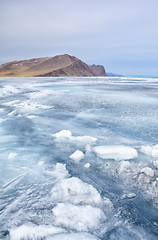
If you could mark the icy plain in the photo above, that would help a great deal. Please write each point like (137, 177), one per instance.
(79, 158)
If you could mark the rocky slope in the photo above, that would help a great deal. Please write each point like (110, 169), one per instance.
(61, 65)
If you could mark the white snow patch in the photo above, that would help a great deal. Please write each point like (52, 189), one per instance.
(148, 171)
(33, 232)
(74, 190)
(77, 155)
(73, 236)
(79, 218)
(116, 152)
(151, 151)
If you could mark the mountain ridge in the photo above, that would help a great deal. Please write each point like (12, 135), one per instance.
(60, 65)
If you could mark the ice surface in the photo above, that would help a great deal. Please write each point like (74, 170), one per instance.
(79, 218)
(9, 89)
(73, 236)
(33, 232)
(77, 155)
(75, 191)
(116, 152)
(25, 107)
(104, 118)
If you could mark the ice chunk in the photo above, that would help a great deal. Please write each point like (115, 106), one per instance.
(148, 171)
(73, 236)
(77, 155)
(75, 191)
(124, 168)
(66, 135)
(87, 165)
(129, 195)
(59, 171)
(79, 218)
(63, 134)
(116, 152)
(33, 232)
(151, 151)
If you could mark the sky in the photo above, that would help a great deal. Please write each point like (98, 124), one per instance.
(122, 35)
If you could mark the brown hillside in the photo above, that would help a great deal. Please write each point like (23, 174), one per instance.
(61, 65)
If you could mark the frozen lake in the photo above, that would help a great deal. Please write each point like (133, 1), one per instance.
(78, 158)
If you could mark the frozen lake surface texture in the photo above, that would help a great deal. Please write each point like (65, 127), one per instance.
(78, 158)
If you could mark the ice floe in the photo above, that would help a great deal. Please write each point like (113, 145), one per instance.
(77, 155)
(151, 151)
(75, 191)
(116, 152)
(79, 218)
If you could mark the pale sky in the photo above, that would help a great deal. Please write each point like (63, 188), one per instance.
(120, 34)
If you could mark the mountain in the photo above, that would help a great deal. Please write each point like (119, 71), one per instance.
(61, 65)
(114, 75)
